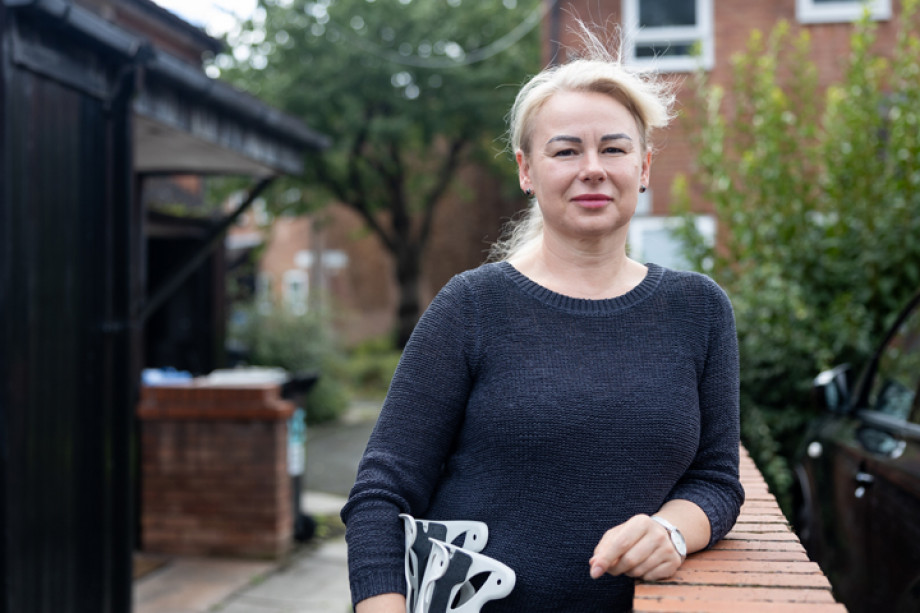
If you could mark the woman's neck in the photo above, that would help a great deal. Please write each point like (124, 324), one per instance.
(588, 271)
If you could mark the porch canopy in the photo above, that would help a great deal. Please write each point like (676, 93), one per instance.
(184, 122)
(188, 123)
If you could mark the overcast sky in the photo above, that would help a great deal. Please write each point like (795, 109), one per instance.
(216, 16)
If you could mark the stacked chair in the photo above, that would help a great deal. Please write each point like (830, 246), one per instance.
(445, 571)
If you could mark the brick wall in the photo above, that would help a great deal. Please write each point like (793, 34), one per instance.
(733, 21)
(214, 475)
(759, 567)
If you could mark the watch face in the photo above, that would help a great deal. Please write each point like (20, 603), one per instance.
(678, 539)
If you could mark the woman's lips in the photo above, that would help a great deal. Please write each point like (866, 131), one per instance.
(592, 201)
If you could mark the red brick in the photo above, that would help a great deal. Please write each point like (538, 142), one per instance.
(793, 555)
(709, 593)
(773, 579)
(760, 566)
(678, 606)
(755, 544)
(212, 484)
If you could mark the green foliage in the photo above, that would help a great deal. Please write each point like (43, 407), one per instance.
(371, 366)
(407, 90)
(818, 194)
(299, 344)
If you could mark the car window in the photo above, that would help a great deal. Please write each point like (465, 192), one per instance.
(898, 376)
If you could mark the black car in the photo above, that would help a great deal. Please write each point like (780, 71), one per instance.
(858, 476)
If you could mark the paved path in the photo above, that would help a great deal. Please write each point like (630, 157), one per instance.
(315, 577)
(333, 450)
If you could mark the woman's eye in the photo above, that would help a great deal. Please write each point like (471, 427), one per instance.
(613, 150)
(564, 153)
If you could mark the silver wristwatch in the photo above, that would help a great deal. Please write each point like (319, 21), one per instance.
(677, 539)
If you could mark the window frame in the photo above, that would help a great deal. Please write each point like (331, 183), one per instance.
(841, 11)
(703, 33)
(296, 291)
(264, 289)
(705, 225)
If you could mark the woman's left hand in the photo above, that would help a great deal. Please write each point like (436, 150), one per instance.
(640, 548)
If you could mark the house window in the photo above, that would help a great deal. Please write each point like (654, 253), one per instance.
(295, 291)
(668, 35)
(836, 11)
(654, 239)
(264, 292)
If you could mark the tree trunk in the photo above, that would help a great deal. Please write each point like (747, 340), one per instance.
(408, 271)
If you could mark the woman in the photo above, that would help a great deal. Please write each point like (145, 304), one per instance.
(583, 405)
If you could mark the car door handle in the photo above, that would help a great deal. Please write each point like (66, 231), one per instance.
(863, 480)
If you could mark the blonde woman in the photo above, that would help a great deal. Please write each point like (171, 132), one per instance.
(582, 404)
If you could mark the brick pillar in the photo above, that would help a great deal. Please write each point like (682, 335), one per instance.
(214, 477)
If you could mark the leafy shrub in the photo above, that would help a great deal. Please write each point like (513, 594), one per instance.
(818, 192)
(274, 336)
(371, 366)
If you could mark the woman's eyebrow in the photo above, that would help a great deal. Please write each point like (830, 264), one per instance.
(574, 139)
(564, 138)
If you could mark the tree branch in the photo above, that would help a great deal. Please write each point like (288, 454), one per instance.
(361, 202)
(445, 176)
(353, 200)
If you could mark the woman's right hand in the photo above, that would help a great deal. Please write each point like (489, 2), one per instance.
(384, 603)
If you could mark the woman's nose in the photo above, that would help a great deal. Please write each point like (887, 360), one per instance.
(591, 169)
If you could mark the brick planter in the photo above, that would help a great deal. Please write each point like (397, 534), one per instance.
(214, 477)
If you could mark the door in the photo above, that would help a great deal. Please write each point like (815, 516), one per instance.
(891, 433)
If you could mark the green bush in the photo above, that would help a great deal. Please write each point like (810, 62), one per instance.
(305, 343)
(371, 365)
(818, 195)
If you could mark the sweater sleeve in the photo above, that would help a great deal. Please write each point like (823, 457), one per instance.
(712, 480)
(410, 442)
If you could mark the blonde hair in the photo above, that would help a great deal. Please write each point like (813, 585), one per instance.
(594, 70)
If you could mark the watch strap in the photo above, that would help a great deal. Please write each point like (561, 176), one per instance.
(672, 533)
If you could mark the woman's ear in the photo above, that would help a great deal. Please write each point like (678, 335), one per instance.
(523, 171)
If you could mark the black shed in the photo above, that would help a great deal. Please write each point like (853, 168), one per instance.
(87, 110)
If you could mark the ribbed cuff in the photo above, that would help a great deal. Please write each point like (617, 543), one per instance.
(365, 585)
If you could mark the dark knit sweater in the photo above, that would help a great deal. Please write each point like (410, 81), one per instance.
(552, 419)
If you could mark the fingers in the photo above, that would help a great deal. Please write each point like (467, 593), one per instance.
(638, 548)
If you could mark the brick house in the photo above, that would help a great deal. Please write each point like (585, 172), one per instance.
(331, 257)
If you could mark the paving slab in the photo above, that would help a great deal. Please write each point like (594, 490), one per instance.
(195, 585)
(316, 582)
(313, 579)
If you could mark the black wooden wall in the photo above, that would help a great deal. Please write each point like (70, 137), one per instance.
(68, 281)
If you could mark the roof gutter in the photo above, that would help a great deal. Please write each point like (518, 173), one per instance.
(181, 74)
(86, 23)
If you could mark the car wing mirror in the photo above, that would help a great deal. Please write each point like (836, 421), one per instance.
(831, 389)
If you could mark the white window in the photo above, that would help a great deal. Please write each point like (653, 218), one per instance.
(654, 239)
(835, 11)
(668, 35)
(295, 291)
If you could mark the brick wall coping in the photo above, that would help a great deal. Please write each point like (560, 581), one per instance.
(199, 399)
(759, 567)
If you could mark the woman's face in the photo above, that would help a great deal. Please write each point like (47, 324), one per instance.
(585, 166)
